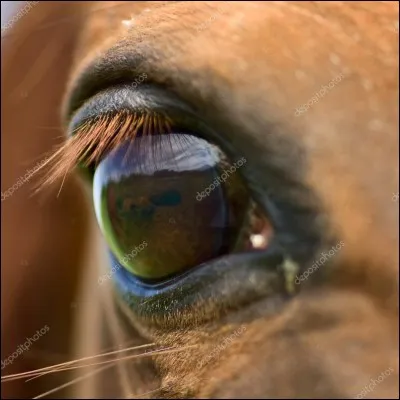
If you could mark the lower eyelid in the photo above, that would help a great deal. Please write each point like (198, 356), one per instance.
(230, 282)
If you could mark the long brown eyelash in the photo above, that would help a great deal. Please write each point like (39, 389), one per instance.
(92, 140)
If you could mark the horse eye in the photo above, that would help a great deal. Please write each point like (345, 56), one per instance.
(172, 200)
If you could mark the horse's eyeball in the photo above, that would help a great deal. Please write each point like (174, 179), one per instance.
(169, 202)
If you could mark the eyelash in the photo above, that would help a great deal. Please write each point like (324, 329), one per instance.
(93, 139)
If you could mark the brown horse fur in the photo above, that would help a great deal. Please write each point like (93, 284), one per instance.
(246, 67)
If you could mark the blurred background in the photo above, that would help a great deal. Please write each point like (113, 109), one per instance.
(42, 235)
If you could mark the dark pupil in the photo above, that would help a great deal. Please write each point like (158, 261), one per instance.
(145, 192)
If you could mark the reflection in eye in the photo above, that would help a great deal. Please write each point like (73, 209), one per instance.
(146, 189)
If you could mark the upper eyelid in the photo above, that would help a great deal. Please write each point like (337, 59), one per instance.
(120, 103)
(222, 122)
(121, 97)
(97, 77)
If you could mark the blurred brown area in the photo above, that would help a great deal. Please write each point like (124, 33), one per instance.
(42, 235)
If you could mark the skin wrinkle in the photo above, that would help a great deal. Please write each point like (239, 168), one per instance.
(239, 74)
